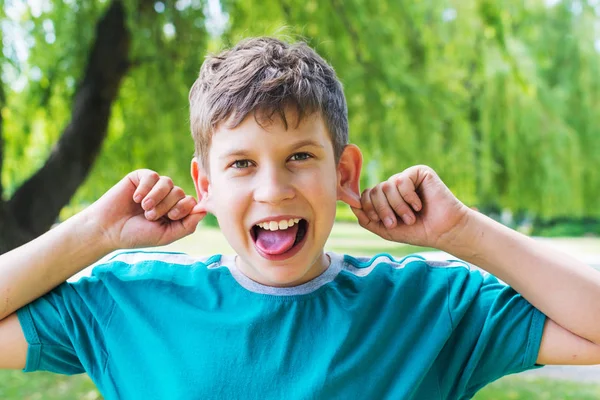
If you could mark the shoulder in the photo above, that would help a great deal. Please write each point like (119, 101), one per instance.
(410, 264)
(457, 279)
(138, 265)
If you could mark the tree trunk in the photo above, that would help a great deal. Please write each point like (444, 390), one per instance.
(35, 206)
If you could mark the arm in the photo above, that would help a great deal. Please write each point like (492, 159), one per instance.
(35, 268)
(561, 287)
(13, 347)
(562, 347)
(122, 218)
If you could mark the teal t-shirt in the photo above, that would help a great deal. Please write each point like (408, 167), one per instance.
(169, 326)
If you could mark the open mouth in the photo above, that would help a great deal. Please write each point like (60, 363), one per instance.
(279, 242)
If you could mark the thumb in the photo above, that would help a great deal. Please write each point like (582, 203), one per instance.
(363, 220)
(199, 208)
(366, 222)
(191, 221)
(353, 200)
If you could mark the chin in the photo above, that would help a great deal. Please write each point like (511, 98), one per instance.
(292, 270)
(279, 275)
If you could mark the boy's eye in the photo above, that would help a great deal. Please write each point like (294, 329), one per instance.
(241, 164)
(300, 157)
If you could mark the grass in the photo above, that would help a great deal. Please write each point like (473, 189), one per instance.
(45, 386)
(345, 238)
(15, 385)
(518, 388)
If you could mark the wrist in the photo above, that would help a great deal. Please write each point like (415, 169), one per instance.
(90, 233)
(463, 238)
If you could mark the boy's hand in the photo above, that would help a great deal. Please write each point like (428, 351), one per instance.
(144, 209)
(413, 207)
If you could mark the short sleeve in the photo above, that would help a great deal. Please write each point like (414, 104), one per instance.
(64, 329)
(496, 332)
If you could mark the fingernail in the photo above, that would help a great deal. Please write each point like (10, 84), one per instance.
(388, 222)
(148, 204)
(415, 207)
(137, 198)
(407, 218)
(151, 214)
(174, 213)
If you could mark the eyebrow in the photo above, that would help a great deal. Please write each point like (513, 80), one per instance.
(297, 145)
(235, 153)
(307, 142)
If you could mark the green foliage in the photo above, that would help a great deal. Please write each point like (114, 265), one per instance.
(210, 220)
(501, 98)
(344, 213)
(39, 88)
(149, 126)
(518, 388)
(567, 227)
(15, 385)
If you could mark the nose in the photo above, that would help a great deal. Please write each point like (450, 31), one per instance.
(273, 186)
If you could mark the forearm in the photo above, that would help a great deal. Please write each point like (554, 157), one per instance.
(563, 288)
(37, 267)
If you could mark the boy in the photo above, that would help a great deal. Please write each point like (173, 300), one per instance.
(281, 318)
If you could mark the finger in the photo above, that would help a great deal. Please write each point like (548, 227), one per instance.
(382, 207)
(167, 204)
(366, 222)
(199, 208)
(407, 190)
(182, 228)
(182, 208)
(367, 205)
(147, 180)
(159, 191)
(190, 222)
(351, 198)
(363, 219)
(397, 203)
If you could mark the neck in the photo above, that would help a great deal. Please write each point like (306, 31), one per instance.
(283, 275)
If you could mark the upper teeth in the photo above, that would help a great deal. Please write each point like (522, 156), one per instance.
(274, 225)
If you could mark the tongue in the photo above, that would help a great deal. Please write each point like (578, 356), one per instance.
(276, 242)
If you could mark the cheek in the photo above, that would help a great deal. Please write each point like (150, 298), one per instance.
(319, 185)
(229, 205)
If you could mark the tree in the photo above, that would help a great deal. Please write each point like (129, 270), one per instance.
(128, 67)
(35, 205)
(501, 98)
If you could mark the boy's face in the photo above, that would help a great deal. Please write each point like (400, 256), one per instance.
(274, 191)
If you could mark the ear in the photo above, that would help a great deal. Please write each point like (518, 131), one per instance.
(348, 172)
(202, 184)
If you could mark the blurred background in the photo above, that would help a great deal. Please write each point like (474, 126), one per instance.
(501, 98)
